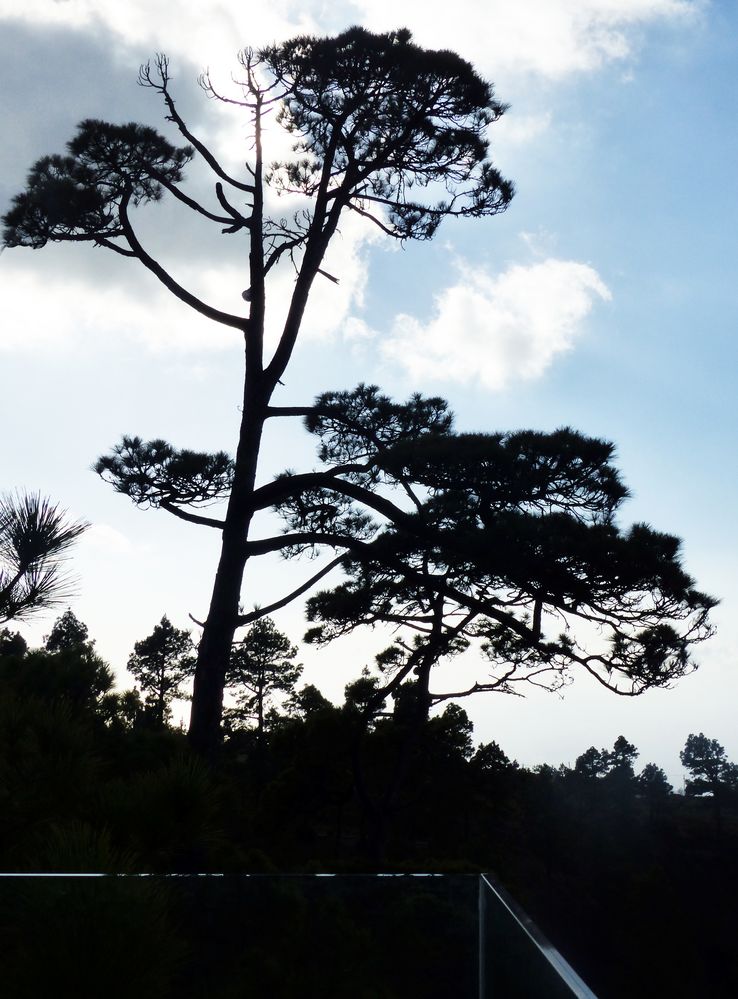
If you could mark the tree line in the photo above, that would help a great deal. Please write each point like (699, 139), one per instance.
(602, 852)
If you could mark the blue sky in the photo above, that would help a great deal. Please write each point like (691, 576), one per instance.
(605, 299)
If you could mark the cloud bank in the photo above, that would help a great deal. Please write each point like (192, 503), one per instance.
(498, 329)
(553, 38)
(550, 38)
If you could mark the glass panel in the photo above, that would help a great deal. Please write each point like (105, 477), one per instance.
(238, 936)
(515, 959)
(373, 937)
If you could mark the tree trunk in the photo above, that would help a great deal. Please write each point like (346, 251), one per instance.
(259, 384)
(260, 713)
(160, 701)
(214, 651)
(379, 819)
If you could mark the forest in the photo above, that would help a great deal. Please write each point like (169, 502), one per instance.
(507, 545)
(628, 877)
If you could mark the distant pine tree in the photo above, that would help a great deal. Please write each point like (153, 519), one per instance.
(161, 663)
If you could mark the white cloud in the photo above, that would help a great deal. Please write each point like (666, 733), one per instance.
(358, 330)
(204, 32)
(498, 329)
(549, 37)
(517, 130)
(46, 308)
(102, 539)
(539, 243)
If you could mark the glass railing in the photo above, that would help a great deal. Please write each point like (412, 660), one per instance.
(239, 936)
(515, 960)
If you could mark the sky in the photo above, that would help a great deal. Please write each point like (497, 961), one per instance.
(603, 299)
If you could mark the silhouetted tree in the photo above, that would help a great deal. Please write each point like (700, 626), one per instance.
(12, 643)
(500, 538)
(123, 710)
(708, 765)
(654, 787)
(308, 701)
(613, 767)
(711, 772)
(491, 759)
(262, 666)
(76, 676)
(653, 782)
(360, 697)
(621, 758)
(592, 763)
(68, 632)
(35, 537)
(378, 122)
(161, 663)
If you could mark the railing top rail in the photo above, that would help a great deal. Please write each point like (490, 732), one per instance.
(231, 874)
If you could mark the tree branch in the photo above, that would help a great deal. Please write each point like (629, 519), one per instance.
(241, 220)
(280, 489)
(274, 256)
(289, 411)
(192, 518)
(113, 246)
(372, 218)
(278, 604)
(264, 546)
(225, 318)
(190, 202)
(146, 80)
(363, 549)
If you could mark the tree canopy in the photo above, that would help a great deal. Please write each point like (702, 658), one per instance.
(507, 540)
(708, 766)
(68, 632)
(381, 120)
(85, 194)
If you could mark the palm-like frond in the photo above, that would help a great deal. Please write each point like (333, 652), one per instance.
(35, 536)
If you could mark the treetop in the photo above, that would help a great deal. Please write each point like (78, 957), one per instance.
(384, 116)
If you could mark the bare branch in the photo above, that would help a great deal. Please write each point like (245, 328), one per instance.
(146, 79)
(330, 277)
(281, 489)
(278, 604)
(225, 318)
(186, 200)
(113, 246)
(290, 411)
(192, 518)
(241, 220)
(372, 218)
(287, 245)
